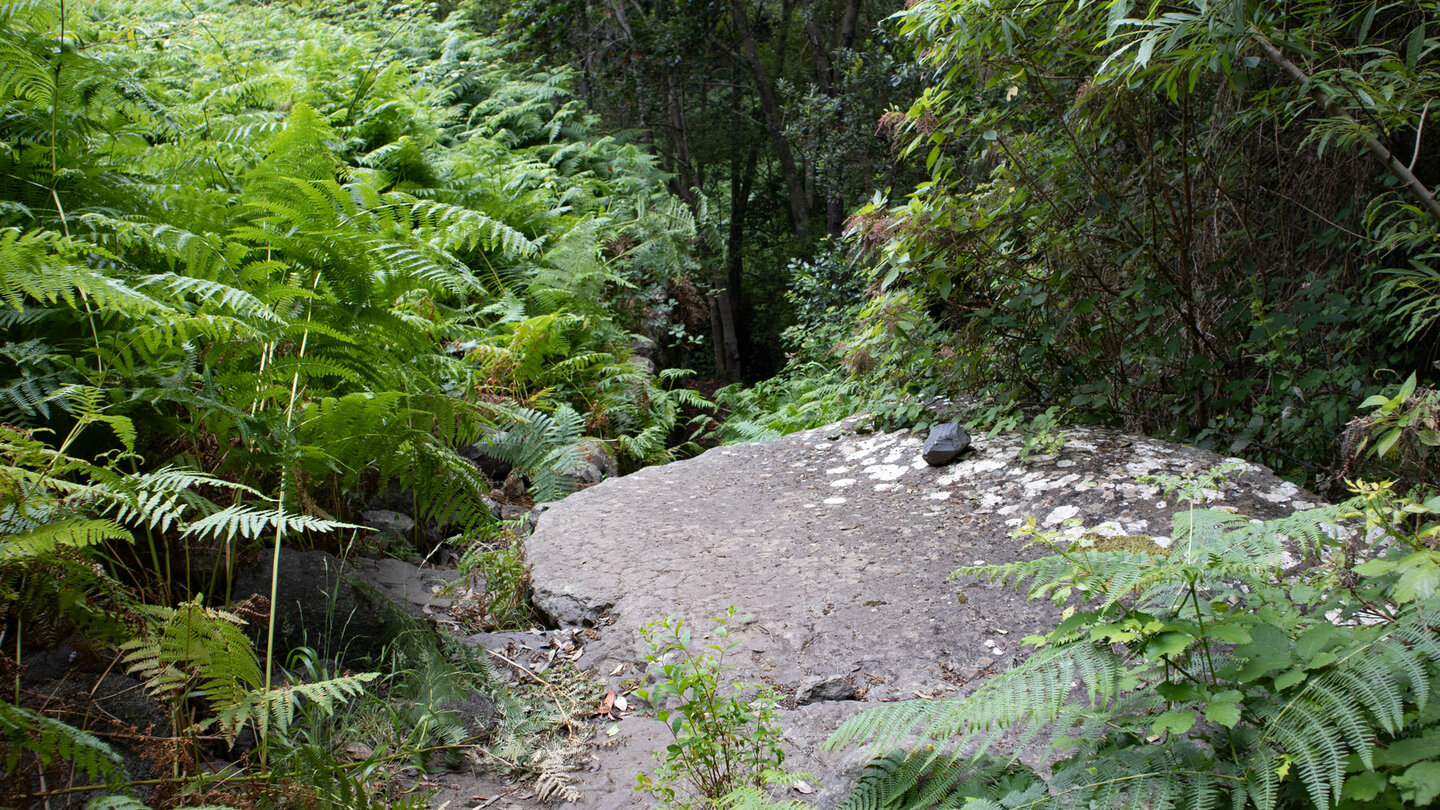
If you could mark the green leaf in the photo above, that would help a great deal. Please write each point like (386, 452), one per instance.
(1420, 576)
(1362, 787)
(1420, 784)
(1413, 46)
(1375, 401)
(1178, 692)
(1229, 632)
(1376, 568)
(1289, 679)
(1224, 708)
(1147, 47)
(1175, 721)
(1409, 387)
(1168, 644)
(1387, 441)
(1314, 640)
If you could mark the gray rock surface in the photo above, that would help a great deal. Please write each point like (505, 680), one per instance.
(596, 453)
(840, 551)
(409, 587)
(388, 522)
(944, 444)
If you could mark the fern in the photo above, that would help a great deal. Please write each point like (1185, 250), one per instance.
(49, 739)
(543, 447)
(199, 651)
(1187, 678)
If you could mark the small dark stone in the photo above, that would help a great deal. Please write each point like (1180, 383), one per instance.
(833, 687)
(514, 486)
(945, 442)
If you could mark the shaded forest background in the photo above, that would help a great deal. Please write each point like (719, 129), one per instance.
(1178, 220)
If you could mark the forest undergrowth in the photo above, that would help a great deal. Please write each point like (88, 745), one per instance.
(260, 265)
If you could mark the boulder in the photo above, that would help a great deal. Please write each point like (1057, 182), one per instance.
(598, 455)
(388, 523)
(586, 473)
(406, 586)
(643, 364)
(945, 442)
(641, 346)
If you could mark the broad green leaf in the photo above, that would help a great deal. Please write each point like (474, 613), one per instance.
(1229, 632)
(1177, 692)
(1289, 679)
(1175, 721)
(1376, 568)
(1224, 708)
(1168, 644)
(1419, 578)
(1362, 787)
(1387, 441)
(1420, 784)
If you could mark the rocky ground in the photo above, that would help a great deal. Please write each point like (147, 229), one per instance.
(838, 546)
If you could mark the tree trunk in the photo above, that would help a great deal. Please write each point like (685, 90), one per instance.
(774, 125)
(741, 180)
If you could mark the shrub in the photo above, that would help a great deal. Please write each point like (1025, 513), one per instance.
(724, 740)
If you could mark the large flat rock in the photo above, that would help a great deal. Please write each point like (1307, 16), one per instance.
(841, 550)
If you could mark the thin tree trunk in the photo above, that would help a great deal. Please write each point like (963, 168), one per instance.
(741, 180)
(1400, 171)
(820, 50)
(774, 125)
(850, 23)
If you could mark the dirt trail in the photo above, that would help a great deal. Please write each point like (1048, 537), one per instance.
(840, 546)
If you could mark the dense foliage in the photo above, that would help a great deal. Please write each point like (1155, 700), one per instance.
(764, 112)
(259, 262)
(1166, 215)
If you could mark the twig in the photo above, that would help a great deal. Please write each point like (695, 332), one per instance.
(522, 668)
(1419, 133)
(554, 691)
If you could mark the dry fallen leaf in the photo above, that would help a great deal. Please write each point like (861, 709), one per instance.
(803, 787)
(622, 704)
(618, 671)
(607, 706)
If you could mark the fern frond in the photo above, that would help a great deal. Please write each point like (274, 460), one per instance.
(49, 739)
(72, 533)
(274, 711)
